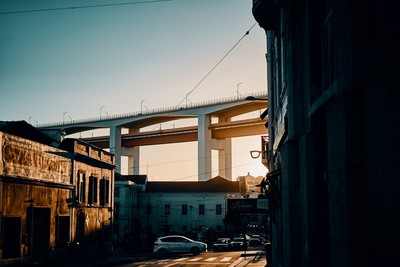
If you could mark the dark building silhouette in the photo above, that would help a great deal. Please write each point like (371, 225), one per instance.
(334, 189)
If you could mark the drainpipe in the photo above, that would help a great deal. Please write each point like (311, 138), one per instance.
(71, 208)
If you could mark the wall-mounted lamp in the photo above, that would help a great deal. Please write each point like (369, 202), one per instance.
(265, 112)
(253, 98)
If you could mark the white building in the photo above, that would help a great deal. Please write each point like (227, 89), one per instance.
(144, 210)
(180, 207)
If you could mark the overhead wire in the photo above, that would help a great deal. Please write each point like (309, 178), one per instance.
(216, 65)
(81, 7)
(196, 175)
(133, 3)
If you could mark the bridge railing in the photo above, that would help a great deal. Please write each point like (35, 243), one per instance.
(154, 111)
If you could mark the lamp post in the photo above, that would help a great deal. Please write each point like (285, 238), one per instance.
(101, 110)
(64, 116)
(237, 89)
(253, 98)
(141, 106)
(187, 99)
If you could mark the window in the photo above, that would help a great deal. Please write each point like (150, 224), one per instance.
(93, 195)
(323, 72)
(201, 209)
(184, 209)
(328, 71)
(104, 191)
(218, 209)
(81, 187)
(167, 209)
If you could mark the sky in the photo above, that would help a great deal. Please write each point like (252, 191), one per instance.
(81, 59)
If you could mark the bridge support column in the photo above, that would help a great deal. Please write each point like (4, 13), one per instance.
(224, 147)
(225, 154)
(204, 147)
(133, 154)
(115, 146)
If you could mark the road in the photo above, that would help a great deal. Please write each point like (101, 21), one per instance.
(209, 259)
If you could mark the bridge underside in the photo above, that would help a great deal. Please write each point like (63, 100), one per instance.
(184, 134)
(217, 137)
(209, 136)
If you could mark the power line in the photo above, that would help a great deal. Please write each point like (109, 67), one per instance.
(196, 175)
(81, 7)
(216, 65)
(192, 159)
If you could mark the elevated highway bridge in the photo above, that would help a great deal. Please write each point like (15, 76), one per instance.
(217, 122)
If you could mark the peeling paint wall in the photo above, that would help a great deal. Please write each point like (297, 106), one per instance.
(37, 183)
(32, 160)
(30, 178)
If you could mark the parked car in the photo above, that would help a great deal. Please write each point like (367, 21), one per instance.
(238, 243)
(178, 244)
(255, 240)
(223, 243)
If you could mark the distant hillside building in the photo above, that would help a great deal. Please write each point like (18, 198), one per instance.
(250, 184)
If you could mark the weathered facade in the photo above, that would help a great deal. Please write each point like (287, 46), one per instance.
(333, 133)
(52, 198)
(126, 215)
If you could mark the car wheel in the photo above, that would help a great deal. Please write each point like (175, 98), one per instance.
(162, 253)
(195, 250)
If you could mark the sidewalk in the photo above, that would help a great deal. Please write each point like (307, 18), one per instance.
(251, 258)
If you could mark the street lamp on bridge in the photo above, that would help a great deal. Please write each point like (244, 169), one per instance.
(141, 106)
(101, 110)
(237, 89)
(64, 116)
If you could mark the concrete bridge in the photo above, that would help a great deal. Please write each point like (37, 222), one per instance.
(216, 125)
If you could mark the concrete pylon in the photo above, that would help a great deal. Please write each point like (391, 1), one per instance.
(133, 154)
(204, 147)
(225, 154)
(224, 147)
(115, 146)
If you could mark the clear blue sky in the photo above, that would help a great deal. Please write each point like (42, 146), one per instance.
(60, 62)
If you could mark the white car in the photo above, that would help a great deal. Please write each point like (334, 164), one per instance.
(178, 244)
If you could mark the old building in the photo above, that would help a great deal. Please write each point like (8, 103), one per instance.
(180, 207)
(126, 215)
(53, 195)
(144, 209)
(333, 132)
